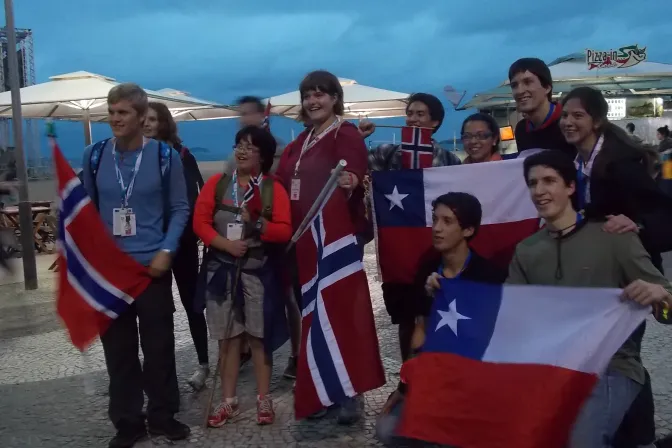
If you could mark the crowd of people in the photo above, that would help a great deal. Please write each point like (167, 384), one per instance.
(594, 186)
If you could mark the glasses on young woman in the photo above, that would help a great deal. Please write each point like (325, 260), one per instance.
(245, 149)
(478, 136)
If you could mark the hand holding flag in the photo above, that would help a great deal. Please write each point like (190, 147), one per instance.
(97, 281)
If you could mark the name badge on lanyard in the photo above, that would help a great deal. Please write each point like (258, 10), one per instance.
(124, 221)
(309, 142)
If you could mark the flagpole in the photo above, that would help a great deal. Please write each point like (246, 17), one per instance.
(321, 199)
(25, 212)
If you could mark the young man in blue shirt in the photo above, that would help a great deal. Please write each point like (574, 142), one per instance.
(141, 196)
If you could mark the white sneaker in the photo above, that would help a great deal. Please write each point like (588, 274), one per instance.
(197, 380)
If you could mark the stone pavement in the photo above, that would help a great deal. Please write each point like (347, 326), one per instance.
(52, 396)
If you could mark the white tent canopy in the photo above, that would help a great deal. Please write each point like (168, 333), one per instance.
(360, 102)
(82, 96)
(571, 71)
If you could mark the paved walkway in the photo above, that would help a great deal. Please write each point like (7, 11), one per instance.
(52, 396)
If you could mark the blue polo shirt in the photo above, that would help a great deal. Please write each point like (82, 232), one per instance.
(147, 199)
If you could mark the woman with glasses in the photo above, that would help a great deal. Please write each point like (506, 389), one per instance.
(239, 218)
(480, 137)
(160, 125)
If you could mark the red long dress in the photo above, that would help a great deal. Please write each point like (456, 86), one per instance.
(344, 142)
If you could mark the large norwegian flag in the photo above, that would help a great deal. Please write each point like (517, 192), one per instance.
(403, 212)
(97, 280)
(339, 356)
(417, 150)
(512, 365)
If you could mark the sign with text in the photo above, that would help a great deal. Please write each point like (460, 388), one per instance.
(623, 57)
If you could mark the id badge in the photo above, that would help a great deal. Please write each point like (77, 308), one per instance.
(129, 224)
(234, 232)
(117, 221)
(295, 188)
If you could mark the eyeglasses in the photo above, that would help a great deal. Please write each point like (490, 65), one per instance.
(478, 136)
(242, 149)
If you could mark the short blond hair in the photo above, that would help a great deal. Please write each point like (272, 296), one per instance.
(131, 92)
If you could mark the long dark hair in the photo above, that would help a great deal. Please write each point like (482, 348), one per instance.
(167, 128)
(325, 82)
(617, 143)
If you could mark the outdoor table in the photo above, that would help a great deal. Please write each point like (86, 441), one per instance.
(40, 213)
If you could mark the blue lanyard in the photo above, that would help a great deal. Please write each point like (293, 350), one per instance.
(246, 198)
(127, 190)
(550, 112)
(581, 186)
(459, 274)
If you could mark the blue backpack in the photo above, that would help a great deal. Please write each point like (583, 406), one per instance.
(165, 163)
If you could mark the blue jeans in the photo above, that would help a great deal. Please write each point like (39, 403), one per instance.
(603, 412)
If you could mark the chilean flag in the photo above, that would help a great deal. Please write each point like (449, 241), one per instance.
(339, 355)
(417, 150)
(97, 280)
(403, 212)
(511, 366)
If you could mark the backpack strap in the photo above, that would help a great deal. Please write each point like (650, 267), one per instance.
(94, 164)
(220, 191)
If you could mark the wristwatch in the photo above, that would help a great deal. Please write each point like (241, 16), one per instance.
(258, 225)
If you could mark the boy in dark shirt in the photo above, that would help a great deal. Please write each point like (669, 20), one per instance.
(456, 219)
(532, 89)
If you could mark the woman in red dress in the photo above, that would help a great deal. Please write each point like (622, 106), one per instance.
(307, 162)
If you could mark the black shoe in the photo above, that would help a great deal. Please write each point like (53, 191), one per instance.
(127, 435)
(171, 429)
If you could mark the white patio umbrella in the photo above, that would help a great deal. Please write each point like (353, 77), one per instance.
(360, 102)
(214, 112)
(82, 96)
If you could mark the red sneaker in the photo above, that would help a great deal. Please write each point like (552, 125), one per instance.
(265, 412)
(223, 413)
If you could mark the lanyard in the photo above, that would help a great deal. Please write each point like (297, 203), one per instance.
(583, 178)
(459, 274)
(249, 193)
(308, 143)
(127, 191)
(550, 113)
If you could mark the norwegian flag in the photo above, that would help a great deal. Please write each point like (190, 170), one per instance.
(339, 355)
(97, 281)
(417, 150)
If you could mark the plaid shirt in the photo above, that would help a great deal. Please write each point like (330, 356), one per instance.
(388, 157)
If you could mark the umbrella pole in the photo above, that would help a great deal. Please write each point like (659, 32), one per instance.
(25, 213)
(86, 122)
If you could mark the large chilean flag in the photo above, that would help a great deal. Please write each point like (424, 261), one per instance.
(402, 202)
(512, 365)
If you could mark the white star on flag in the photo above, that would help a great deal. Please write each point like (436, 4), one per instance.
(395, 198)
(450, 317)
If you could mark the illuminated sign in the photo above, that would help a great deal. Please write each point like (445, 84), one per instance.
(617, 108)
(623, 57)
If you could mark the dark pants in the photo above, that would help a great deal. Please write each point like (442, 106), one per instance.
(185, 270)
(157, 377)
